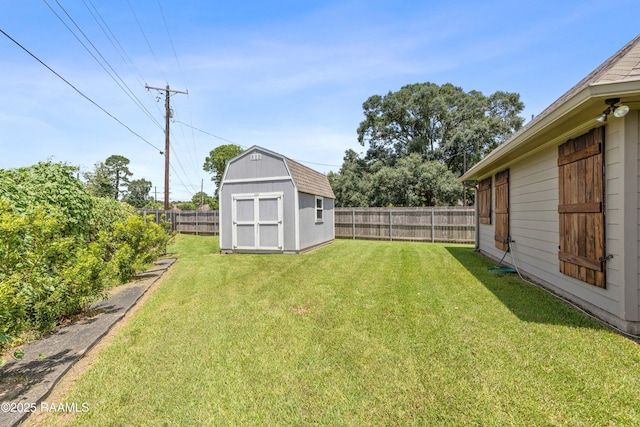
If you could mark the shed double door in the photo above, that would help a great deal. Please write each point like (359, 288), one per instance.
(257, 221)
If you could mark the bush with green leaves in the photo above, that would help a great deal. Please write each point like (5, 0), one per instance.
(62, 249)
(53, 184)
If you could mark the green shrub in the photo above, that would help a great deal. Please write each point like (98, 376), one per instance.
(53, 184)
(138, 242)
(62, 249)
(107, 212)
(32, 253)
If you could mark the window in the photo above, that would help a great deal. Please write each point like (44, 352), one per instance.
(502, 210)
(319, 208)
(581, 208)
(484, 201)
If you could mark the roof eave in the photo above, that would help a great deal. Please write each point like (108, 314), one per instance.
(570, 118)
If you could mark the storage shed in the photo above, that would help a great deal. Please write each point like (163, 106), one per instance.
(272, 204)
(563, 194)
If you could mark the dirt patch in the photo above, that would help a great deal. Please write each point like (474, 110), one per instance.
(300, 310)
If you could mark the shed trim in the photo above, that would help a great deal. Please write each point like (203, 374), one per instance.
(296, 215)
(257, 221)
(263, 179)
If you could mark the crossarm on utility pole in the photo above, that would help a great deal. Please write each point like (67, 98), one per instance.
(167, 92)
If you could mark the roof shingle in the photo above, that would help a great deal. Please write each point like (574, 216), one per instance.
(310, 181)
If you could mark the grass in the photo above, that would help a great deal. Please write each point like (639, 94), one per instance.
(357, 333)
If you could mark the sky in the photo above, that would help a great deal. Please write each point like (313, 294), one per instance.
(287, 75)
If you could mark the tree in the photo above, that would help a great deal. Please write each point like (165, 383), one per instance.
(413, 182)
(201, 198)
(109, 177)
(118, 173)
(98, 182)
(442, 123)
(138, 194)
(352, 184)
(217, 160)
(185, 206)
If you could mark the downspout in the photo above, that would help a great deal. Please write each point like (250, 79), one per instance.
(477, 216)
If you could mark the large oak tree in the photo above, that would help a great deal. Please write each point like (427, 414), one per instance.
(419, 139)
(442, 123)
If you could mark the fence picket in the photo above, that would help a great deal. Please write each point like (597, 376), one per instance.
(430, 224)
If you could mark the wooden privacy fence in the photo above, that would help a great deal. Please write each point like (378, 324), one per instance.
(431, 224)
(188, 222)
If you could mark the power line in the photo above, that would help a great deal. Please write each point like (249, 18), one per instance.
(244, 148)
(178, 160)
(182, 182)
(112, 38)
(167, 145)
(192, 154)
(172, 45)
(175, 55)
(210, 134)
(120, 84)
(77, 90)
(145, 36)
(97, 16)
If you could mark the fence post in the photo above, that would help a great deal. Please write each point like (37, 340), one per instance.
(433, 225)
(196, 222)
(390, 225)
(353, 223)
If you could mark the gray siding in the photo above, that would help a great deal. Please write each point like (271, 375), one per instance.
(631, 246)
(314, 233)
(636, 130)
(534, 224)
(246, 168)
(255, 174)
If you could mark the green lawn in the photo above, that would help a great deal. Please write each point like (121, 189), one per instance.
(357, 333)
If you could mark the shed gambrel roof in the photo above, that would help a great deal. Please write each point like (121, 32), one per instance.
(306, 180)
(310, 181)
(573, 112)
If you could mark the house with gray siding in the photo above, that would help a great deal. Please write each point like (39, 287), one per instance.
(272, 204)
(563, 194)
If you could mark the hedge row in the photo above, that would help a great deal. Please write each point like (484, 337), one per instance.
(61, 248)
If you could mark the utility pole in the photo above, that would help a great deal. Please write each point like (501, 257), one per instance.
(201, 193)
(167, 93)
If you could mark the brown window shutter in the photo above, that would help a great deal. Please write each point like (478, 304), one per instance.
(484, 201)
(581, 207)
(502, 210)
